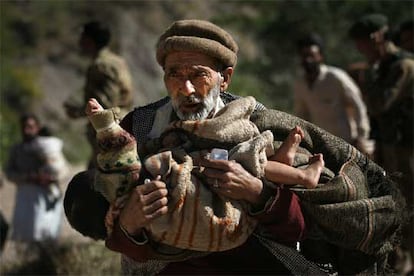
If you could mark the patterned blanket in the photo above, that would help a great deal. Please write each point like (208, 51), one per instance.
(360, 207)
(199, 219)
(355, 206)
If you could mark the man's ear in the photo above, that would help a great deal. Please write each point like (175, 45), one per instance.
(226, 75)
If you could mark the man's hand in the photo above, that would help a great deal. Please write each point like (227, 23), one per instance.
(147, 202)
(230, 179)
(72, 111)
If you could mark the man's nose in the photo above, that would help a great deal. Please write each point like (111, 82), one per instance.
(188, 88)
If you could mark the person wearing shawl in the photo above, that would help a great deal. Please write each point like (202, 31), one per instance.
(199, 57)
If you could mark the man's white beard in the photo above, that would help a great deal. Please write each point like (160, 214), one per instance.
(209, 103)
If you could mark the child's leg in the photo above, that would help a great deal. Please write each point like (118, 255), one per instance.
(284, 174)
(286, 152)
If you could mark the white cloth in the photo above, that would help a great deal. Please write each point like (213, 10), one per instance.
(38, 212)
(35, 217)
(51, 151)
(333, 103)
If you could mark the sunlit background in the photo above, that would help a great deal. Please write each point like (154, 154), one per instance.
(41, 66)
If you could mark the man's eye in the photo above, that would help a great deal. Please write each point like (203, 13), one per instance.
(201, 74)
(174, 76)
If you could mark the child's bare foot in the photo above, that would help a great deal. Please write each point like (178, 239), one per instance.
(92, 107)
(286, 152)
(313, 171)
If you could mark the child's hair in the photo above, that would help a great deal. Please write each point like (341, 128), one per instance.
(84, 207)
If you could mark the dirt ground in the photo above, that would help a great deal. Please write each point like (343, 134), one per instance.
(7, 199)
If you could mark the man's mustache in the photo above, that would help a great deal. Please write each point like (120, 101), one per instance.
(192, 99)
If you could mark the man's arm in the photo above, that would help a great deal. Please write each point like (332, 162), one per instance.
(356, 105)
(299, 104)
(74, 111)
(17, 175)
(399, 83)
(146, 203)
(276, 208)
(103, 83)
(282, 216)
(11, 170)
(124, 239)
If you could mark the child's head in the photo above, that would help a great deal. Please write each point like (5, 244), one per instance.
(84, 207)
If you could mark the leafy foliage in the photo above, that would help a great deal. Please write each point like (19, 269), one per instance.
(18, 92)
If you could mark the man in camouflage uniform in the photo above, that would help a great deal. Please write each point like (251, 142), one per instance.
(107, 79)
(390, 100)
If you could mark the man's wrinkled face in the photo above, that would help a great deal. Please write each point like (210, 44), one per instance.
(311, 58)
(193, 84)
(30, 129)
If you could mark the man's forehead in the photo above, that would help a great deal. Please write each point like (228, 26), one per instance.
(31, 121)
(187, 59)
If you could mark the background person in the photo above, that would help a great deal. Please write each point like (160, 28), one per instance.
(37, 215)
(405, 36)
(328, 97)
(196, 78)
(107, 77)
(119, 168)
(53, 160)
(390, 102)
(198, 59)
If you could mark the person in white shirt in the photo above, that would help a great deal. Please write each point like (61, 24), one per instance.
(37, 166)
(328, 97)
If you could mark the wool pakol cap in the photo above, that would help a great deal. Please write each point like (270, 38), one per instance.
(367, 25)
(199, 36)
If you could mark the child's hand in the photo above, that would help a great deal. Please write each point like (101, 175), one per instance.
(92, 107)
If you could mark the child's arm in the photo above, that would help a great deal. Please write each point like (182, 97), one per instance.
(117, 156)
